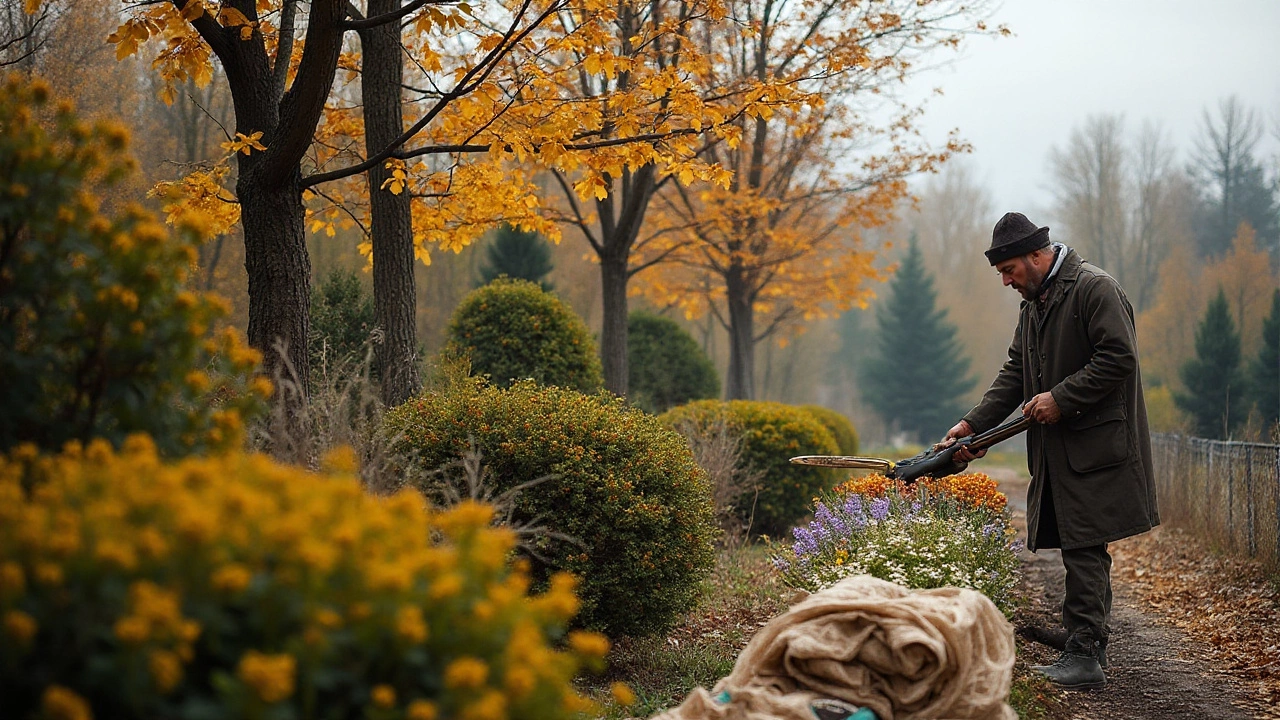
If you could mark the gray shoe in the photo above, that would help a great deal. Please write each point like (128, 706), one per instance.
(1074, 670)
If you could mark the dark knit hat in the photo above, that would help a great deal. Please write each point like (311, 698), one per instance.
(1015, 235)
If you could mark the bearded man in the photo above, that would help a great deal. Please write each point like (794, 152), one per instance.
(1074, 360)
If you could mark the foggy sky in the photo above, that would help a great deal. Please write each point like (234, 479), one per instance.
(1166, 60)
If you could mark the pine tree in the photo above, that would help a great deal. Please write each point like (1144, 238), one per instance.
(518, 254)
(917, 377)
(1214, 380)
(1265, 372)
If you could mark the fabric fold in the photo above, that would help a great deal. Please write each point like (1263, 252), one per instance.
(943, 654)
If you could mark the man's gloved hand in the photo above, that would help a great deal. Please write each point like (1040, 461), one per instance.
(961, 429)
(1043, 409)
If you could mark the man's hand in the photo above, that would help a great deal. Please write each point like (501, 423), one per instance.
(961, 429)
(1043, 409)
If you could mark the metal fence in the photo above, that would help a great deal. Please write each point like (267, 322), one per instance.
(1227, 492)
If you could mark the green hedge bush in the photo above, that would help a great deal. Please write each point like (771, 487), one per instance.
(235, 587)
(841, 429)
(513, 330)
(772, 434)
(665, 366)
(100, 334)
(620, 483)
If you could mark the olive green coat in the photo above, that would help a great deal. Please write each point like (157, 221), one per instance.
(1080, 345)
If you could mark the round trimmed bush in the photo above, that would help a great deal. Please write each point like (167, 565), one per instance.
(839, 426)
(772, 434)
(513, 329)
(618, 481)
(235, 587)
(665, 366)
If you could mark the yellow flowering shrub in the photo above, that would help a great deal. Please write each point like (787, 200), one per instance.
(624, 488)
(234, 587)
(99, 335)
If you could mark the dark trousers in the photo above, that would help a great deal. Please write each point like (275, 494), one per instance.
(1086, 605)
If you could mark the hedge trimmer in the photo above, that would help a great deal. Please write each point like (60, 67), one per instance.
(936, 462)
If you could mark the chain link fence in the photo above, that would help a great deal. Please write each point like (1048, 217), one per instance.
(1228, 492)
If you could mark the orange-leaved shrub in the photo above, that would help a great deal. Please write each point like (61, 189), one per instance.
(625, 490)
(772, 433)
(99, 334)
(235, 587)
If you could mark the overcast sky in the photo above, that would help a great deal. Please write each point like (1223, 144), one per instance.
(1015, 98)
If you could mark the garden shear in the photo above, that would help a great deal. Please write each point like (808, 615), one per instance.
(936, 462)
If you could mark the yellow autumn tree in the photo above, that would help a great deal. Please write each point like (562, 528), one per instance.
(1244, 273)
(782, 243)
(487, 112)
(1166, 331)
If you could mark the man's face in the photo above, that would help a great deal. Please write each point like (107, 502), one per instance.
(1022, 274)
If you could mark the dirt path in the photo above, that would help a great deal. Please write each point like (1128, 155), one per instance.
(1156, 670)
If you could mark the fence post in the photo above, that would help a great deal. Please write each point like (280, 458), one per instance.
(1208, 493)
(1248, 489)
(1231, 524)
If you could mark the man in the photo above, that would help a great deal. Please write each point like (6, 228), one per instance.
(1074, 360)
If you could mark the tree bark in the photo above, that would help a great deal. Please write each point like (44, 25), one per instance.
(394, 293)
(613, 335)
(279, 272)
(740, 383)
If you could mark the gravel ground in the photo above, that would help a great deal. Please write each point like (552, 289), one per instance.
(1157, 670)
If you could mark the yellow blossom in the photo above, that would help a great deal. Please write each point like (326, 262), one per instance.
(383, 696)
(422, 710)
(491, 706)
(19, 626)
(622, 694)
(12, 579)
(466, 672)
(165, 668)
(132, 630)
(60, 703)
(410, 625)
(590, 644)
(519, 681)
(270, 676)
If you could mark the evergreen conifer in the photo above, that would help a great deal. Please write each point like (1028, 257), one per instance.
(917, 378)
(342, 319)
(1214, 380)
(1265, 372)
(518, 254)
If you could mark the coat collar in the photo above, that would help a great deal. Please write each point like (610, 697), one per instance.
(1066, 276)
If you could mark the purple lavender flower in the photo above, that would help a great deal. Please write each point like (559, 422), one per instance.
(880, 509)
(1018, 546)
(853, 509)
(780, 565)
(805, 542)
(838, 525)
(915, 507)
(990, 529)
(821, 533)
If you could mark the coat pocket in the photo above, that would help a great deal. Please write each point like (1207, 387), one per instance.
(1097, 440)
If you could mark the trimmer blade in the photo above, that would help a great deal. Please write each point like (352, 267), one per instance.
(845, 461)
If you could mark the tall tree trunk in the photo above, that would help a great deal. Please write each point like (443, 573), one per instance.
(613, 334)
(740, 384)
(279, 271)
(394, 295)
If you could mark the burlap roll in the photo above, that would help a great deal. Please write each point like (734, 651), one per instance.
(944, 654)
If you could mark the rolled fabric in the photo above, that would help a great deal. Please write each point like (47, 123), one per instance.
(943, 654)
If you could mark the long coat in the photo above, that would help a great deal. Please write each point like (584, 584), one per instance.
(1080, 345)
